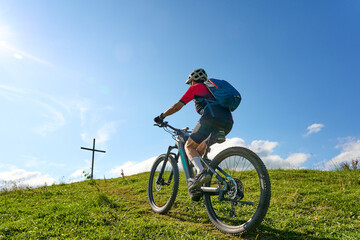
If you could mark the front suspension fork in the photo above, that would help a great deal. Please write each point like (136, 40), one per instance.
(159, 178)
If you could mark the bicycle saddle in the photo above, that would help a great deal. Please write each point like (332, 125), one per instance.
(219, 136)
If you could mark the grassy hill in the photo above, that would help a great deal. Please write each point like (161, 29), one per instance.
(305, 204)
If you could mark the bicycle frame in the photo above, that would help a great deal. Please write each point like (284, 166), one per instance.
(181, 137)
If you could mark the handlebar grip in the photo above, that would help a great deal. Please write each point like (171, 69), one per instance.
(163, 124)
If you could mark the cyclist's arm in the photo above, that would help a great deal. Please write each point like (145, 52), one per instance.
(173, 109)
(188, 96)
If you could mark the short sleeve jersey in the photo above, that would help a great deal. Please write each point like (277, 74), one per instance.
(196, 91)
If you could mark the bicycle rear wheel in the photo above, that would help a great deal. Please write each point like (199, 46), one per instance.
(163, 184)
(247, 199)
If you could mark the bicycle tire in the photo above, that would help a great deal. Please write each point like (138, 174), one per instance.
(254, 185)
(162, 196)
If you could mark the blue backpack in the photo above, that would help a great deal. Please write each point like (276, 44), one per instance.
(225, 94)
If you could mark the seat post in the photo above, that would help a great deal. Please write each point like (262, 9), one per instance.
(208, 141)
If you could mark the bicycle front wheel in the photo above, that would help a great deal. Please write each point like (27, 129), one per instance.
(246, 200)
(163, 184)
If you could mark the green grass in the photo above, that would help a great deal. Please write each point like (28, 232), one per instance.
(305, 204)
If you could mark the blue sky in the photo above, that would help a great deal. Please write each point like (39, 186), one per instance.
(71, 71)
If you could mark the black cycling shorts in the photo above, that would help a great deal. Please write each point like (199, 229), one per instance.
(202, 130)
(212, 120)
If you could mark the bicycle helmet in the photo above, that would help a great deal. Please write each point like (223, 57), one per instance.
(197, 75)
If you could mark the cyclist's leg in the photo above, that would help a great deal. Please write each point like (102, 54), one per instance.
(215, 128)
(201, 147)
(197, 137)
(197, 141)
(190, 148)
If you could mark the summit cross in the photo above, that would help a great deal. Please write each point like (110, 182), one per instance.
(93, 154)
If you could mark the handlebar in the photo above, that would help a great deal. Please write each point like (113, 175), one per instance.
(165, 124)
(175, 130)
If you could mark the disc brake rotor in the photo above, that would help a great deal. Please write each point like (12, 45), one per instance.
(236, 189)
(158, 185)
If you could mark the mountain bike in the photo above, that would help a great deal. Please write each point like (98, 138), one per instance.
(238, 195)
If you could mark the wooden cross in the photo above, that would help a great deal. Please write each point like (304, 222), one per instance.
(93, 154)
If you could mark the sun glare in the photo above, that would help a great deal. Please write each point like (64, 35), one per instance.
(18, 56)
(11, 50)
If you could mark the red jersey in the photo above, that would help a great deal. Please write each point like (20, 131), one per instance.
(197, 90)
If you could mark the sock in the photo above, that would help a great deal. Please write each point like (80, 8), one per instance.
(197, 163)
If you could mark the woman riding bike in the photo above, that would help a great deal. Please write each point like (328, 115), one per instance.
(215, 119)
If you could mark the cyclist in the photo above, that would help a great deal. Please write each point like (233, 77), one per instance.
(214, 119)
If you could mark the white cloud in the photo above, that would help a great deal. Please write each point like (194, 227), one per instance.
(33, 161)
(102, 135)
(23, 178)
(131, 168)
(105, 131)
(51, 108)
(217, 148)
(350, 150)
(7, 166)
(83, 106)
(263, 148)
(11, 93)
(78, 173)
(296, 159)
(54, 112)
(92, 124)
(314, 128)
(55, 120)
